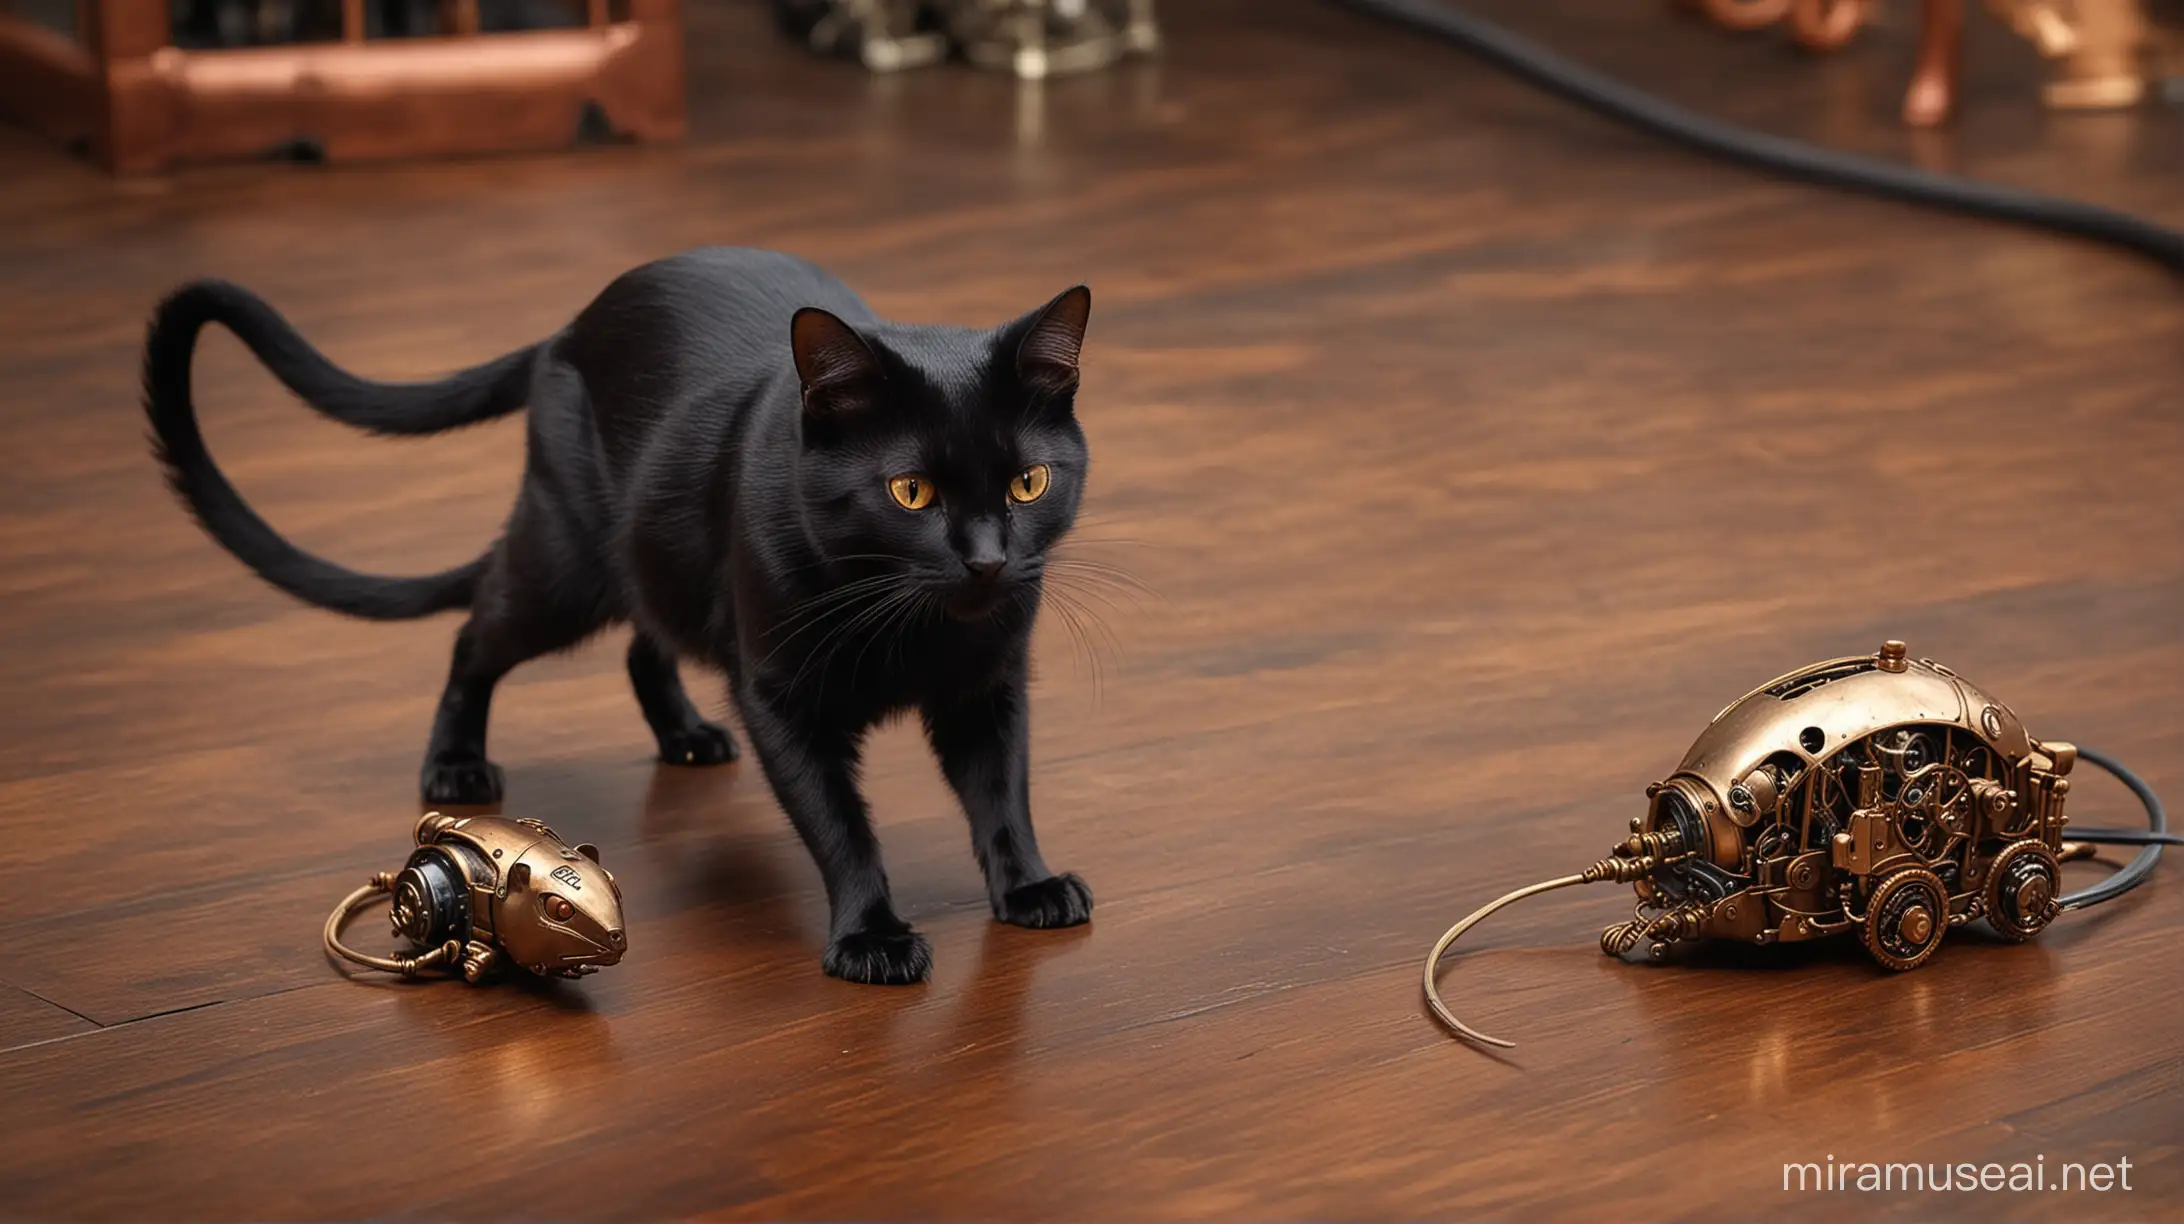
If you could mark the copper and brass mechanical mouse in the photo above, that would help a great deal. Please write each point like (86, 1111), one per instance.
(1875, 796)
(480, 892)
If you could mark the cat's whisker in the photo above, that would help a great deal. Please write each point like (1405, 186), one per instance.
(891, 627)
(1074, 559)
(1082, 592)
(844, 558)
(888, 624)
(1116, 596)
(855, 610)
(869, 580)
(805, 613)
(841, 634)
(1099, 625)
(1087, 533)
(921, 608)
(1100, 571)
(1074, 550)
(1101, 635)
(1087, 633)
(823, 651)
(876, 628)
(1106, 591)
(838, 594)
(1052, 603)
(842, 602)
(1077, 541)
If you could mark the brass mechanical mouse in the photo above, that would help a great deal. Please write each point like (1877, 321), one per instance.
(1877, 796)
(483, 891)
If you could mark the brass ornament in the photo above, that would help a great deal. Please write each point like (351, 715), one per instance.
(1030, 39)
(480, 892)
(1874, 794)
(1036, 39)
(2105, 53)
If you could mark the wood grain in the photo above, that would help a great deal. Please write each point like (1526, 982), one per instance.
(1477, 453)
(26, 1019)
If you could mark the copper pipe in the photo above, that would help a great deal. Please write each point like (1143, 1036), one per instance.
(336, 69)
(1745, 14)
(1932, 94)
(459, 17)
(1827, 25)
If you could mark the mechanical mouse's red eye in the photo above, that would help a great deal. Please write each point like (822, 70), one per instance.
(558, 908)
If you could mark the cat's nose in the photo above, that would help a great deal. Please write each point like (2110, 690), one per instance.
(982, 552)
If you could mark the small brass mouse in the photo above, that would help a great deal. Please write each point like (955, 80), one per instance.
(483, 891)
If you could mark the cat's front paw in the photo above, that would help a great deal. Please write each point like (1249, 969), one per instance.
(1057, 901)
(461, 781)
(704, 744)
(879, 960)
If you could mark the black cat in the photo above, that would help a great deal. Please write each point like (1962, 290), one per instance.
(849, 517)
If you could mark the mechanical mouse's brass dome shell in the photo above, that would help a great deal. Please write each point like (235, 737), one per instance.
(1816, 710)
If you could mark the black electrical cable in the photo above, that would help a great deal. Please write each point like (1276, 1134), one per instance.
(2136, 870)
(1796, 159)
(2126, 837)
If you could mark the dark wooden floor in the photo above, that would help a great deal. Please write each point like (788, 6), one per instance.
(1479, 452)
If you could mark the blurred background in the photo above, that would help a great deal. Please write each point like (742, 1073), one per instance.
(148, 84)
(1476, 451)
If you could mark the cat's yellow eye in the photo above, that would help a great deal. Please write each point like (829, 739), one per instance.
(911, 492)
(1030, 484)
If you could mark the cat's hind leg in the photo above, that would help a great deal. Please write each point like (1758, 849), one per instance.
(685, 738)
(537, 597)
(456, 769)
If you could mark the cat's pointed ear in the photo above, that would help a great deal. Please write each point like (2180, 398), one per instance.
(835, 365)
(1046, 358)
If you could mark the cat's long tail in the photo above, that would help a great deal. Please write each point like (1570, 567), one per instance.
(480, 393)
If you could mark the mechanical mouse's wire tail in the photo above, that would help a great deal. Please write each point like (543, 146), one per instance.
(1433, 959)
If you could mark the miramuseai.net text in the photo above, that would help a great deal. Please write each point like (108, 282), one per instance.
(1943, 1177)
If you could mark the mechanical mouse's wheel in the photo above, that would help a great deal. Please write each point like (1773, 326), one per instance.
(1906, 920)
(2022, 887)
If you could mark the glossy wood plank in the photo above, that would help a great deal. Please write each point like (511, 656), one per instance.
(1476, 452)
(26, 1019)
